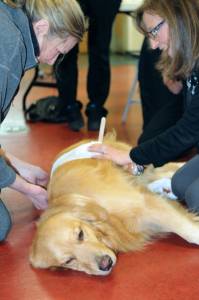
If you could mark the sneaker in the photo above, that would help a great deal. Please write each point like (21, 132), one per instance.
(74, 117)
(95, 114)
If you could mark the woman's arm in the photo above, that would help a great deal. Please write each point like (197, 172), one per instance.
(36, 193)
(25, 178)
(164, 147)
(174, 141)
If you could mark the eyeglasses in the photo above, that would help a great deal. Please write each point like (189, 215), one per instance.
(152, 34)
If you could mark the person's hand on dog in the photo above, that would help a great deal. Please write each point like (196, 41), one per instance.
(37, 194)
(31, 181)
(120, 157)
(29, 172)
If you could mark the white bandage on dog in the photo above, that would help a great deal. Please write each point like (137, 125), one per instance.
(162, 187)
(77, 153)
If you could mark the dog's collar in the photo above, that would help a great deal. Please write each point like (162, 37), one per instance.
(78, 153)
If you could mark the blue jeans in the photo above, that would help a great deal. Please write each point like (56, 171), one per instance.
(5, 221)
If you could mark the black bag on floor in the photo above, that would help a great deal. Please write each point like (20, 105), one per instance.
(47, 109)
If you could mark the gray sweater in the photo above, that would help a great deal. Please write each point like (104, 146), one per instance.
(17, 54)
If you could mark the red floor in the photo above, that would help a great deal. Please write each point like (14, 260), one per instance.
(168, 269)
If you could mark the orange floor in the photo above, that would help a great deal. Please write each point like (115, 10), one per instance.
(168, 269)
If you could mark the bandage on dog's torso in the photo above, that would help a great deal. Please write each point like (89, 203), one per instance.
(81, 151)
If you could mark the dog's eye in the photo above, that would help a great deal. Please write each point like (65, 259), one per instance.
(81, 235)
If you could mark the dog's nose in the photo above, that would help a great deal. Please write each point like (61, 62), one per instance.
(105, 263)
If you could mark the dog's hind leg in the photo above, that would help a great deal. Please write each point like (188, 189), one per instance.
(172, 217)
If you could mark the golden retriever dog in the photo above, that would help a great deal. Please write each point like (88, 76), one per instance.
(97, 209)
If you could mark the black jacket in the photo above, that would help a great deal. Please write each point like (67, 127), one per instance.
(177, 139)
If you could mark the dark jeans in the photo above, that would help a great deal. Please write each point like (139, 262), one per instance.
(101, 14)
(5, 221)
(161, 109)
(185, 183)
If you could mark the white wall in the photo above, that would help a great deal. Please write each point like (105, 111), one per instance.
(125, 37)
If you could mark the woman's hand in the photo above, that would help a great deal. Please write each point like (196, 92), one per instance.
(29, 172)
(120, 157)
(37, 194)
(31, 181)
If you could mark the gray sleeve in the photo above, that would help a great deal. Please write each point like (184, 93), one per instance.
(7, 174)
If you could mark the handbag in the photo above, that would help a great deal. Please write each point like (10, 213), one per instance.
(48, 109)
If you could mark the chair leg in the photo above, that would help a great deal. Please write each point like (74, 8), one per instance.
(130, 100)
(36, 82)
(29, 88)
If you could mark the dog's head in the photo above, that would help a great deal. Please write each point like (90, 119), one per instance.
(67, 241)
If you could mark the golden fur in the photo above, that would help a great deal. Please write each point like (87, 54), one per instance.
(97, 209)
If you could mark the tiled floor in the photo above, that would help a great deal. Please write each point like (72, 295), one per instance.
(168, 269)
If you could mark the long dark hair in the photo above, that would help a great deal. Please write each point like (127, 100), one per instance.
(182, 17)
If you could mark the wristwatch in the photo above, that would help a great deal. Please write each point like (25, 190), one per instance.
(136, 169)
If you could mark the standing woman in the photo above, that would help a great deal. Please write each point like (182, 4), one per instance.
(173, 27)
(31, 31)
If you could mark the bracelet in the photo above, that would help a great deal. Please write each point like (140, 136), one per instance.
(137, 170)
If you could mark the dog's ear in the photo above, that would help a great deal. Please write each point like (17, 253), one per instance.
(90, 212)
(114, 234)
(79, 206)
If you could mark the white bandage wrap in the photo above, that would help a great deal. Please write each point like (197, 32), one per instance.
(162, 187)
(78, 153)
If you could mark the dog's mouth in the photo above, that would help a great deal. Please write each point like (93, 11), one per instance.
(105, 263)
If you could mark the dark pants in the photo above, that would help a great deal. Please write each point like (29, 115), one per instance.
(101, 14)
(161, 109)
(185, 183)
(5, 221)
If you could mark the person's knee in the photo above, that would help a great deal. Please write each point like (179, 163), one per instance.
(192, 198)
(5, 222)
(176, 186)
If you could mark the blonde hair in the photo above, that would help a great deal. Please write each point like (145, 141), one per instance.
(65, 17)
(182, 17)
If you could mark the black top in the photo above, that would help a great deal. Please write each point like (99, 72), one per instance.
(177, 139)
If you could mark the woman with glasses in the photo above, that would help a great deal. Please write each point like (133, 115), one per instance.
(161, 100)
(30, 32)
(172, 27)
